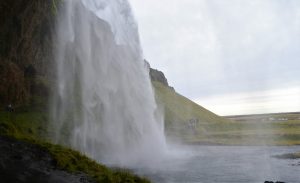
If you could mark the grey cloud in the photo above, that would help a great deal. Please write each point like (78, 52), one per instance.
(208, 47)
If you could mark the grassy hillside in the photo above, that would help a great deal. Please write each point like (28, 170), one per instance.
(188, 122)
(184, 119)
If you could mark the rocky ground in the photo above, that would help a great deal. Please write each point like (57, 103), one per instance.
(21, 162)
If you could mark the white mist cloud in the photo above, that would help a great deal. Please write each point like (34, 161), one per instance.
(218, 47)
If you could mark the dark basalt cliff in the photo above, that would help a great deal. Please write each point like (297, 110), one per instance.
(25, 50)
(157, 76)
(26, 60)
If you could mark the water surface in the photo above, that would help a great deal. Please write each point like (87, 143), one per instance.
(227, 164)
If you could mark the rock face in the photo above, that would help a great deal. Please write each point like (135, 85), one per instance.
(157, 75)
(13, 87)
(21, 162)
(26, 57)
(25, 46)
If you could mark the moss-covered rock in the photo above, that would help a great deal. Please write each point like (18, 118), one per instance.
(23, 162)
(27, 161)
(29, 131)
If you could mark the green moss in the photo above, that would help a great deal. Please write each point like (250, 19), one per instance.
(74, 162)
(24, 124)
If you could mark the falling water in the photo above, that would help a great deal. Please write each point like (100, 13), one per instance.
(104, 103)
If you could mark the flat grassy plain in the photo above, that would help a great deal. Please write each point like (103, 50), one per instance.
(188, 122)
(269, 129)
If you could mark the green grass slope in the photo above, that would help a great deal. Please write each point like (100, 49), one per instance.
(186, 120)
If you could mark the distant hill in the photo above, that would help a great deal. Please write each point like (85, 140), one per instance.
(188, 122)
(184, 119)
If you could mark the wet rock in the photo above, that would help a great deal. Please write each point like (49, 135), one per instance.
(30, 71)
(21, 162)
(26, 33)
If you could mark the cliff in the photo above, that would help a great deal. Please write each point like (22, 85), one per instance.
(25, 50)
(157, 76)
(26, 74)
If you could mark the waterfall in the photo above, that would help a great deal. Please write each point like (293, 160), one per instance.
(103, 103)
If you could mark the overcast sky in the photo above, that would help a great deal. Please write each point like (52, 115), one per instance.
(231, 56)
